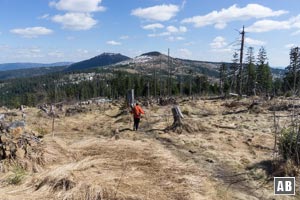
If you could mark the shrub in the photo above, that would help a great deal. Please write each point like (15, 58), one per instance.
(288, 145)
(288, 94)
(42, 131)
(17, 176)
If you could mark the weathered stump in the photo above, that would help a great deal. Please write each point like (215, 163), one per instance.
(177, 119)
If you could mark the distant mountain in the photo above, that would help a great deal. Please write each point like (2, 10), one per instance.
(29, 72)
(152, 53)
(98, 61)
(156, 62)
(13, 66)
(278, 72)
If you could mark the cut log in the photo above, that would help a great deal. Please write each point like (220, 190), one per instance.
(233, 94)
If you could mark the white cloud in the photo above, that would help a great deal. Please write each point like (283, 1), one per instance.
(82, 51)
(4, 47)
(31, 32)
(289, 46)
(220, 45)
(184, 53)
(270, 25)
(218, 42)
(114, 43)
(173, 29)
(28, 53)
(70, 38)
(251, 41)
(78, 5)
(124, 37)
(56, 54)
(153, 26)
(234, 13)
(172, 38)
(296, 33)
(189, 43)
(159, 34)
(159, 13)
(75, 21)
(35, 50)
(45, 16)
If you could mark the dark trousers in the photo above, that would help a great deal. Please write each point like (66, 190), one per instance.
(136, 123)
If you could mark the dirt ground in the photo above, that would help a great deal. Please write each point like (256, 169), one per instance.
(96, 155)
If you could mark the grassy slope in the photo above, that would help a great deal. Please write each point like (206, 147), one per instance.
(86, 158)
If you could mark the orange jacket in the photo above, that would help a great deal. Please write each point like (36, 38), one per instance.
(137, 111)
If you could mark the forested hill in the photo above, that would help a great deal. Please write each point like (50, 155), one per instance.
(14, 66)
(30, 72)
(98, 61)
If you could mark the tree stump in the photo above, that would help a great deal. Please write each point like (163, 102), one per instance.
(177, 119)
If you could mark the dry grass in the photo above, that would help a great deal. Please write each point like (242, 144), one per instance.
(95, 155)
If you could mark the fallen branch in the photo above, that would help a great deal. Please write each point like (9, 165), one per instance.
(225, 126)
(234, 112)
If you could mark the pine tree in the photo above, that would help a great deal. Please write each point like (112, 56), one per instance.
(293, 69)
(264, 76)
(233, 72)
(223, 77)
(250, 72)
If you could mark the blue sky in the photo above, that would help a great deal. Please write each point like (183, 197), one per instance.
(72, 30)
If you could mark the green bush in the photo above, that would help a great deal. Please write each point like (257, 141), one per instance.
(288, 145)
(42, 131)
(288, 94)
(17, 176)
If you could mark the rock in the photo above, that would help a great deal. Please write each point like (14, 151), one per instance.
(192, 151)
(4, 126)
(16, 124)
(209, 160)
(4, 139)
(2, 116)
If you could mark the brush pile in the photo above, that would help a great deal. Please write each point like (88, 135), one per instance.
(18, 144)
(76, 110)
(167, 101)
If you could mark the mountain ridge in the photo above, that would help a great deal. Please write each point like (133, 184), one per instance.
(98, 61)
(28, 65)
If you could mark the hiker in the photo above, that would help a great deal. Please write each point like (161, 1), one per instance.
(137, 111)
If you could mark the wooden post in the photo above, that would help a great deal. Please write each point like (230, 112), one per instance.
(53, 117)
(130, 97)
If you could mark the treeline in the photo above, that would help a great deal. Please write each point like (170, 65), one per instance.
(58, 87)
(256, 77)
